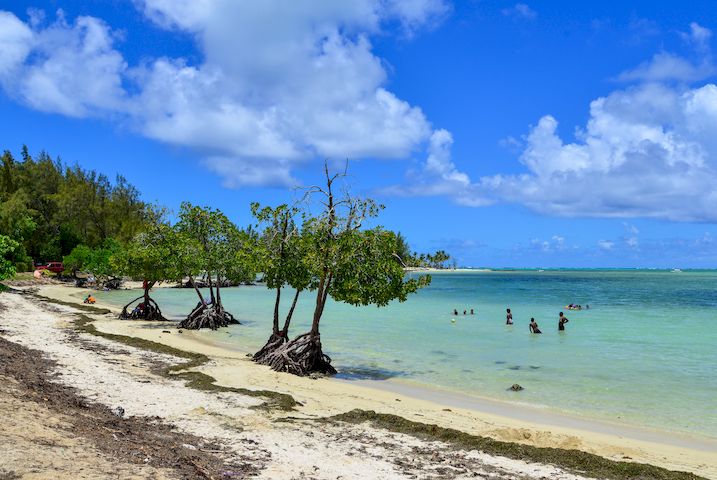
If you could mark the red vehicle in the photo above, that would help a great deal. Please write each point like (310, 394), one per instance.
(56, 267)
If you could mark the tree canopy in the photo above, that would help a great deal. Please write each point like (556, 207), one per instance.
(49, 208)
(345, 261)
(7, 246)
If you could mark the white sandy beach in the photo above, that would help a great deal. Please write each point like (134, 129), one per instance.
(286, 450)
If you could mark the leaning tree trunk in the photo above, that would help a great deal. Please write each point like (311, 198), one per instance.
(303, 355)
(208, 316)
(148, 309)
(278, 337)
(276, 340)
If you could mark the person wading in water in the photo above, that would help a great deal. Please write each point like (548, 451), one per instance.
(562, 320)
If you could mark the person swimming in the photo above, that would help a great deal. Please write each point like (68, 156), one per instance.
(534, 326)
(508, 317)
(472, 312)
(455, 311)
(562, 320)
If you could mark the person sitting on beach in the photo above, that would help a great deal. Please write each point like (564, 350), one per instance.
(534, 326)
(508, 317)
(562, 320)
(89, 299)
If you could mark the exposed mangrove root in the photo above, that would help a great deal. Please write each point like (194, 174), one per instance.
(276, 340)
(301, 356)
(208, 316)
(148, 309)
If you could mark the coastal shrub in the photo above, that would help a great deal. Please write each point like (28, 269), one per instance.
(7, 246)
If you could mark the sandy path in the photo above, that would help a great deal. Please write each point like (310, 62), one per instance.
(117, 375)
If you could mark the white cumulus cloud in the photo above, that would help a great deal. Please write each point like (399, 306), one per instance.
(67, 68)
(648, 150)
(280, 82)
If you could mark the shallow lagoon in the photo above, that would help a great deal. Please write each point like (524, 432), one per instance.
(645, 353)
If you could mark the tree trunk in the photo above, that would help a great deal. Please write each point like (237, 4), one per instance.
(301, 356)
(147, 310)
(208, 316)
(211, 289)
(322, 294)
(219, 296)
(275, 327)
(285, 330)
(147, 286)
(277, 338)
(199, 294)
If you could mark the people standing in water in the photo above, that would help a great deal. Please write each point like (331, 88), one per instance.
(562, 320)
(455, 311)
(534, 326)
(472, 312)
(508, 317)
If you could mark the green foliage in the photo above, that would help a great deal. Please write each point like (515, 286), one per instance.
(281, 250)
(78, 259)
(346, 261)
(368, 271)
(7, 247)
(240, 264)
(152, 255)
(403, 250)
(210, 244)
(99, 263)
(49, 208)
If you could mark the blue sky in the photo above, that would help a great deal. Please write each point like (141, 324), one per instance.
(538, 134)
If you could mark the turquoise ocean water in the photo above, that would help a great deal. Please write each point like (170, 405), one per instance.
(645, 353)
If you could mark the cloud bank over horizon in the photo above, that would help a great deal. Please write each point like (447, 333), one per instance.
(648, 150)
